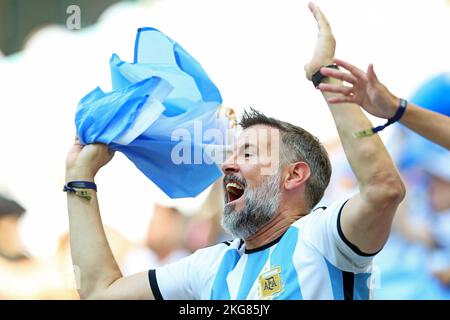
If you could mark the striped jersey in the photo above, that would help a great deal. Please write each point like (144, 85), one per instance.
(311, 260)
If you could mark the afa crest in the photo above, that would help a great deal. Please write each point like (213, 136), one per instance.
(271, 283)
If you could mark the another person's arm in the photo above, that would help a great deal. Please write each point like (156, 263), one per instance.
(367, 91)
(94, 263)
(367, 217)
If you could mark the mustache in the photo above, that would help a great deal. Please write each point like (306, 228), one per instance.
(229, 177)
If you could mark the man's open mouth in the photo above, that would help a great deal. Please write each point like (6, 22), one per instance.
(234, 189)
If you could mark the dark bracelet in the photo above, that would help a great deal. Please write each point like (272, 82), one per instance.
(318, 77)
(72, 187)
(397, 116)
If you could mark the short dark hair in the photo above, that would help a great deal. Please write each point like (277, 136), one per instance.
(9, 207)
(298, 145)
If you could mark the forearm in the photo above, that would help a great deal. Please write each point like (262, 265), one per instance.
(431, 125)
(91, 255)
(367, 156)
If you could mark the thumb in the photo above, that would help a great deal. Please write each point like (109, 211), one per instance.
(371, 75)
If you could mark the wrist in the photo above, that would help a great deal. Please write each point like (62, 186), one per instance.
(319, 77)
(393, 106)
(79, 174)
(310, 70)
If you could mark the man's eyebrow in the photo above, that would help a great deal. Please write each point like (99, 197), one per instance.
(247, 146)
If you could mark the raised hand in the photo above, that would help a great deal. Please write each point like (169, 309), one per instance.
(325, 45)
(84, 161)
(365, 90)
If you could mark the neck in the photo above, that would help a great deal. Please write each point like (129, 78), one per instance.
(274, 228)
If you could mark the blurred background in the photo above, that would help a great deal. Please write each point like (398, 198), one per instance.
(53, 52)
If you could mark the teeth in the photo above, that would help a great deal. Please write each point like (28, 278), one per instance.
(234, 185)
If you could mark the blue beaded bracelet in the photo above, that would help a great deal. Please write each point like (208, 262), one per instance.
(397, 116)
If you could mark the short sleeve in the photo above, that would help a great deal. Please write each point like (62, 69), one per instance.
(173, 281)
(189, 278)
(323, 231)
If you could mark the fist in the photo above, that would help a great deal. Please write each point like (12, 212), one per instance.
(84, 161)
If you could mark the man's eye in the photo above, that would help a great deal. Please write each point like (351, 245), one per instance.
(247, 155)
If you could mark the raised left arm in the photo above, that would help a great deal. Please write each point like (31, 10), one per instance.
(367, 217)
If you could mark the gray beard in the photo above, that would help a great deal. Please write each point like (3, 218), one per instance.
(260, 206)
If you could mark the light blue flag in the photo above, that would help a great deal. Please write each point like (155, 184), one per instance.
(162, 113)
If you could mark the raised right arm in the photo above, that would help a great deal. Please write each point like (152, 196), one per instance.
(92, 258)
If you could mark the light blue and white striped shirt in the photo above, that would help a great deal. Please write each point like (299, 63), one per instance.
(311, 260)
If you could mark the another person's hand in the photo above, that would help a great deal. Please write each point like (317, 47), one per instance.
(84, 161)
(365, 90)
(325, 45)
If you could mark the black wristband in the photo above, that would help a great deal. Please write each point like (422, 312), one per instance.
(72, 185)
(318, 77)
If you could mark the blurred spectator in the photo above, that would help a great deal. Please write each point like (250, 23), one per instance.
(421, 240)
(438, 169)
(177, 228)
(410, 148)
(22, 276)
(415, 262)
(204, 229)
(62, 262)
(11, 248)
(26, 277)
(416, 259)
(163, 242)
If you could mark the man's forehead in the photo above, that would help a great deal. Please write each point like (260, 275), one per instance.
(255, 135)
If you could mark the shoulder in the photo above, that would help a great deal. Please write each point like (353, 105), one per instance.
(315, 214)
(322, 219)
(216, 251)
(325, 210)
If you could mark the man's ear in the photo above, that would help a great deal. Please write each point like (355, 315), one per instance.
(296, 175)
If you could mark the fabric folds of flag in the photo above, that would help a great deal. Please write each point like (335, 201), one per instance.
(163, 113)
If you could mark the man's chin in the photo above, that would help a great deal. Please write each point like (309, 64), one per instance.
(229, 210)
(237, 232)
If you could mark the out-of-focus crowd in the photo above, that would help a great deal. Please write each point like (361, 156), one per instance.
(414, 264)
(172, 233)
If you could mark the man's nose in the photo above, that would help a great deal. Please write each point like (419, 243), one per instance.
(230, 165)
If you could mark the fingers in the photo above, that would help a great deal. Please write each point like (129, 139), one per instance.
(341, 99)
(105, 149)
(345, 93)
(338, 75)
(111, 152)
(77, 140)
(322, 21)
(349, 67)
(334, 88)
